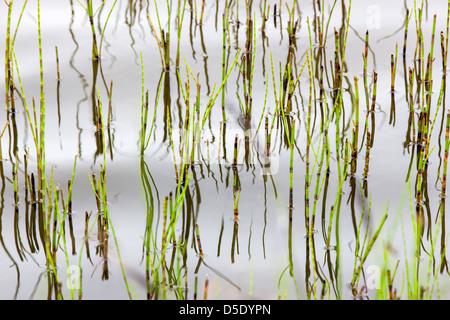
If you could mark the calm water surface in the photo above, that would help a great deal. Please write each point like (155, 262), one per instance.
(250, 257)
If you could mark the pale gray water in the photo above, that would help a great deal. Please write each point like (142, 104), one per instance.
(263, 226)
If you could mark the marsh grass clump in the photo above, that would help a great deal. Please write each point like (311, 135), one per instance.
(163, 36)
(327, 137)
(89, 8)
